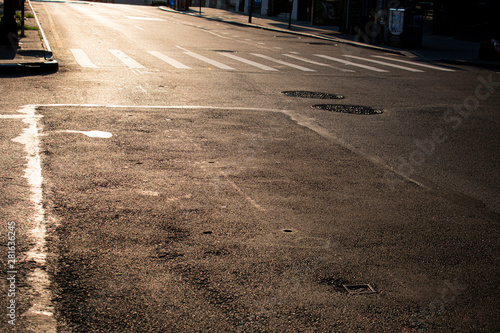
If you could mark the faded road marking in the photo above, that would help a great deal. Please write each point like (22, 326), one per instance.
(41, 313)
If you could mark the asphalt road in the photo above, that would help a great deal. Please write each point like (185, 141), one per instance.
(172, 187)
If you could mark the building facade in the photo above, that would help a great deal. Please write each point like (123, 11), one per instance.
(464, 19)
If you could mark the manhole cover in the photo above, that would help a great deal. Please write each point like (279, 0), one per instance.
(355, 109)
(311, 94)
(360, 288)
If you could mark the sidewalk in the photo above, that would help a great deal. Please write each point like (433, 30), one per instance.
(33, 56)
(435, 48)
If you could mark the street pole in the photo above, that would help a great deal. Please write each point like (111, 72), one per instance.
(200, 7)
(250, 10)
(290, 15)
(312, 12)
(8, 25)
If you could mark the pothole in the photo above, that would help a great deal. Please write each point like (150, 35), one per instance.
(354, 109)
(311, 94)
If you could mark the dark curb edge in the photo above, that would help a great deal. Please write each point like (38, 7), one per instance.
(44, 67)
(475, 63)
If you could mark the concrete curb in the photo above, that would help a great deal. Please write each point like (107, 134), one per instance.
(41, 67)
(298, 33)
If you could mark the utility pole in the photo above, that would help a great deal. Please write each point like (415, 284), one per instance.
(250, 11)
(8, 25)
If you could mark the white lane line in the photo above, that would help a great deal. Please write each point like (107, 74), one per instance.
(385, 64)
(169, 60)
(246, 61)
(417, 64)
(139, 28)
(40, 315)
(349, 63)
(317, 63)
(305, 69)
(131, 63)
(82, 59)
(205, 59)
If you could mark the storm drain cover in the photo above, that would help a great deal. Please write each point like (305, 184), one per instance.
(311, 94)
(355, 109)
(360, 288)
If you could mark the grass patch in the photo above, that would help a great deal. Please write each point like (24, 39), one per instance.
(19, 21)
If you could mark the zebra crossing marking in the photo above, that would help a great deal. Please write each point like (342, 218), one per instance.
(131, 63)
(205, 59)
(169, 60)
(246, 61)
(304, 69)
(349, 63)
(417, 64)
(82, 59)
(385, 64)
(317, 63)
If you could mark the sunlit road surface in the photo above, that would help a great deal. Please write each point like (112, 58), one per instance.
(181, 191)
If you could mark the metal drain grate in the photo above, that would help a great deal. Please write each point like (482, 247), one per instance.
(360, 288)
(354, 109)
(311, 94)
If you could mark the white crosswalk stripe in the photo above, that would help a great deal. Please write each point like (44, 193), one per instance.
(416, 64)
(305, 69)
(349, 63)
(317, 63)
(205, 59)
(169, 60)
(82, 59)
(131, 63)
(385, 63)
(246, 61)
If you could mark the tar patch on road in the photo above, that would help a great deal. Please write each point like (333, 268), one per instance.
(353, 109)
(311, 94)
